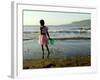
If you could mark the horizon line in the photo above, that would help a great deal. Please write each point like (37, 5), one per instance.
(57, 24)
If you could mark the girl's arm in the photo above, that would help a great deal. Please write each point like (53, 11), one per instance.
(40, 30)
(48, 35)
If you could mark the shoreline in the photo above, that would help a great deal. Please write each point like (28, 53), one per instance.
(71, 38)
(57, 62)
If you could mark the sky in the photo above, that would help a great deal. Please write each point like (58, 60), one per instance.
(52, 18)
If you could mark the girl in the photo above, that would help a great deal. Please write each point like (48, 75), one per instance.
(43, 37)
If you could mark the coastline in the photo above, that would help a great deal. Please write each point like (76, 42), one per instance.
(70, 38)
(57, 62)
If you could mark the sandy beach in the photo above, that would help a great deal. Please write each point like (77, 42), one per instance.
(57, 62)
(71, 48)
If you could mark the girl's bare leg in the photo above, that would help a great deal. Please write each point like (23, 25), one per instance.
(47, 50)
(42, 51)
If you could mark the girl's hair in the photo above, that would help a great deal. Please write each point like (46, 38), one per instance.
(42, 22)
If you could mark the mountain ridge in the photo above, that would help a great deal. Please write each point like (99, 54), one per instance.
(82, 23)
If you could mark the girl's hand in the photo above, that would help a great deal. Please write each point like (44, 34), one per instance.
(50, 39)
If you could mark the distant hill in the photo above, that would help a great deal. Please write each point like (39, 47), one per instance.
(82, 23)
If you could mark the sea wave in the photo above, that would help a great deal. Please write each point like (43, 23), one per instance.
(62, 38)
(60, 31)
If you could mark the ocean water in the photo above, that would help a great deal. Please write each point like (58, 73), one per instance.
(62, 47)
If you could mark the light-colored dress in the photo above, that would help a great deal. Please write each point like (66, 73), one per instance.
(43, 39)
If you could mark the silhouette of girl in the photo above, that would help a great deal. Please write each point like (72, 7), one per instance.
(43, 37)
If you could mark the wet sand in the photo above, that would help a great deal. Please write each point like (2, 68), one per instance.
(57, 62)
